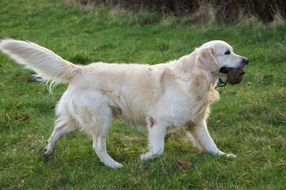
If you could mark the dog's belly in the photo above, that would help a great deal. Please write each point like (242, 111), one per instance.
(131, 117)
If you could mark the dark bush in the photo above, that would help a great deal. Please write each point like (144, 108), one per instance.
(223, 10)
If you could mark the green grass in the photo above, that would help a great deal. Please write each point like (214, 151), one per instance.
(248, 121)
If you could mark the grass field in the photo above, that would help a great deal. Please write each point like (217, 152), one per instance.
(249, 120)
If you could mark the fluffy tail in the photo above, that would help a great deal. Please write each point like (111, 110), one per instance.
(44, 62)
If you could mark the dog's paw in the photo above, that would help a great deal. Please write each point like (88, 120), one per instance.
(228, 155)
(148, 155)
(117, 165)
(47, 150)
(114, 165)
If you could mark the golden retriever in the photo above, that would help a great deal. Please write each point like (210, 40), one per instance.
(175, 94)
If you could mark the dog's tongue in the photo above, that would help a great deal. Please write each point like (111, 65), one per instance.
(234, 76)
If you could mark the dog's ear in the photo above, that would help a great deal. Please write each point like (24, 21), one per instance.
(206, 60)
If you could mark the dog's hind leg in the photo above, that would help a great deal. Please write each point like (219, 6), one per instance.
(63, 127)
(99, 132)
(99, 146)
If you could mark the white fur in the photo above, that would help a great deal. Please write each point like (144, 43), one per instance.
(44, 62)
(175, 94)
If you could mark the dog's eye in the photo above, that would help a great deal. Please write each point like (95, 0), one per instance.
(227, 52)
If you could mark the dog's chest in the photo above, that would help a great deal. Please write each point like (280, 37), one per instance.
(178, 108)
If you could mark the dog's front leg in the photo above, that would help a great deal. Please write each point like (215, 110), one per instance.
(156, 141)
(201, 135)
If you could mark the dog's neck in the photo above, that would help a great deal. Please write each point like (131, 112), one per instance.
(187, 66)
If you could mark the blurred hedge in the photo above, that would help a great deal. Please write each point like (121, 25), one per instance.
(221, 10)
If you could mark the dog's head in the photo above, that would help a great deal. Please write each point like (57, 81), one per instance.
(218, 58)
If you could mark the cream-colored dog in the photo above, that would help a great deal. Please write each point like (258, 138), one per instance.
(174, 94)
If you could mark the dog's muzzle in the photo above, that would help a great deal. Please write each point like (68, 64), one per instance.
(234, 75)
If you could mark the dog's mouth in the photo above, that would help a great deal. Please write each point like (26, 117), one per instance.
(234, 75)
(224, 70)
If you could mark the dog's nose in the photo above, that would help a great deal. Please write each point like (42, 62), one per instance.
(245, 61)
